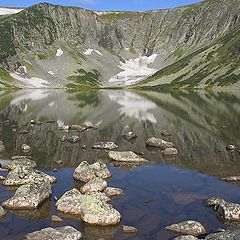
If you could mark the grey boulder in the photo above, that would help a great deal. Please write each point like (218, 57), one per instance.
(159, 143)
(127, 156)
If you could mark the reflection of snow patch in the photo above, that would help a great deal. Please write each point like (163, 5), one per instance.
(32, 82)
(134, 70)
(134, 106)
(90, 51)
(5, 11)
(51, 72)
(30, 95)
(60, 123)
(59, 52)
(51, 104)
(25, 108)
(127, 49)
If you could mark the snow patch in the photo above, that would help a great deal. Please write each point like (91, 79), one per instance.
(134, 70)
(32, 82)
(7, 11)
(134, 106)
(51, 72)
(90, 51)
(59, 52)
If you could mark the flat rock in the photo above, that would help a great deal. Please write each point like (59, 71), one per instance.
(226, 210)
(129, 229)
(105, 145)
(186, 237)
(127, 156)
(2, 211)
(170, 152)
(29, 196)
(159, 143)
(22, 175)
(86, 172)
(61, 233)
(112, 192)
(55, 218)
(92, 208)
(188, 227)
(95, 185)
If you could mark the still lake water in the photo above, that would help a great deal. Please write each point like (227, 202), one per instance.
(163, 192)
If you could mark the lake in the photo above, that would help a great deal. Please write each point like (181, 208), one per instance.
(163, 192)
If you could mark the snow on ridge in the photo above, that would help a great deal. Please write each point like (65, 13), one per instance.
(134, 70)
(8, 11)
(59, 52)
(90, 51)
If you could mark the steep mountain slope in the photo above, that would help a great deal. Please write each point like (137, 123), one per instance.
(54, 46)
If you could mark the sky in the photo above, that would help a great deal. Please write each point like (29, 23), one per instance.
(117, 5)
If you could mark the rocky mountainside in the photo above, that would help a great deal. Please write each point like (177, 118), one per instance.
(54, 46)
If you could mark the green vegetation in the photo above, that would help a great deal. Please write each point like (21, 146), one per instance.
(4, 75)
(84, 79)
(178, 53)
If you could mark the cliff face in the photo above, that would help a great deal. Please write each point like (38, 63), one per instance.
(92, 45)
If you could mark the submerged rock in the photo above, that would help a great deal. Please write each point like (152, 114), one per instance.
(112, 192)
(105, 145)
(170, 152)
(188, 227)
(92, 208)
(29, 196)
(159, 143)
(61, 233)
(127, 156)
(186, 237)
(26, 148)
(86, 172)
(2, 212)
(22, 175)
(129, 229)
(226, 210)
(95, 185)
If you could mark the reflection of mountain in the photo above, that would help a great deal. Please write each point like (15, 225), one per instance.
(133, 105)
(197, 121)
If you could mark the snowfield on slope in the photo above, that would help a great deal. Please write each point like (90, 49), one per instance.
(7, 11)
(134, 70)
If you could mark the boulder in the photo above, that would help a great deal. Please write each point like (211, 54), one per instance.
(22, 175)
(73, 139)
(92, 208)
(227, 235)
(169, 152)
(29, 196)
(159, 143)
(26, 148)
(61, 233)
(127, 156)
(86, 172)
(226, 210)
(231, 179)
(105, 145)
(95, 185)
(24, 163)
(112, 192)
(2, 212)
(188, 227)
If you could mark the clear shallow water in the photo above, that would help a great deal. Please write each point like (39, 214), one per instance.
(163, 192)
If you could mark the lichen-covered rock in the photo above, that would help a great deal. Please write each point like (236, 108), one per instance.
(112, 192)
(127, 156)
(226, 235)
(22, 175)
(61, 233)
(188, 227)
(186, 237)
(24, 163)
(169, 152)
(2, 211)
(92, 208)
(159, 143)
(29, 196)
(105, 145)
(95, 185)
(86, 172)
(226, 210)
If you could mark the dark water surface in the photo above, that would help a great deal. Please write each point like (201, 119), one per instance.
(163, 192)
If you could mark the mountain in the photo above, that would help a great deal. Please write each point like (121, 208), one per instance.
(54, 46)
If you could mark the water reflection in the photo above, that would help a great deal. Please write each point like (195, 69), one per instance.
(158, 194)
